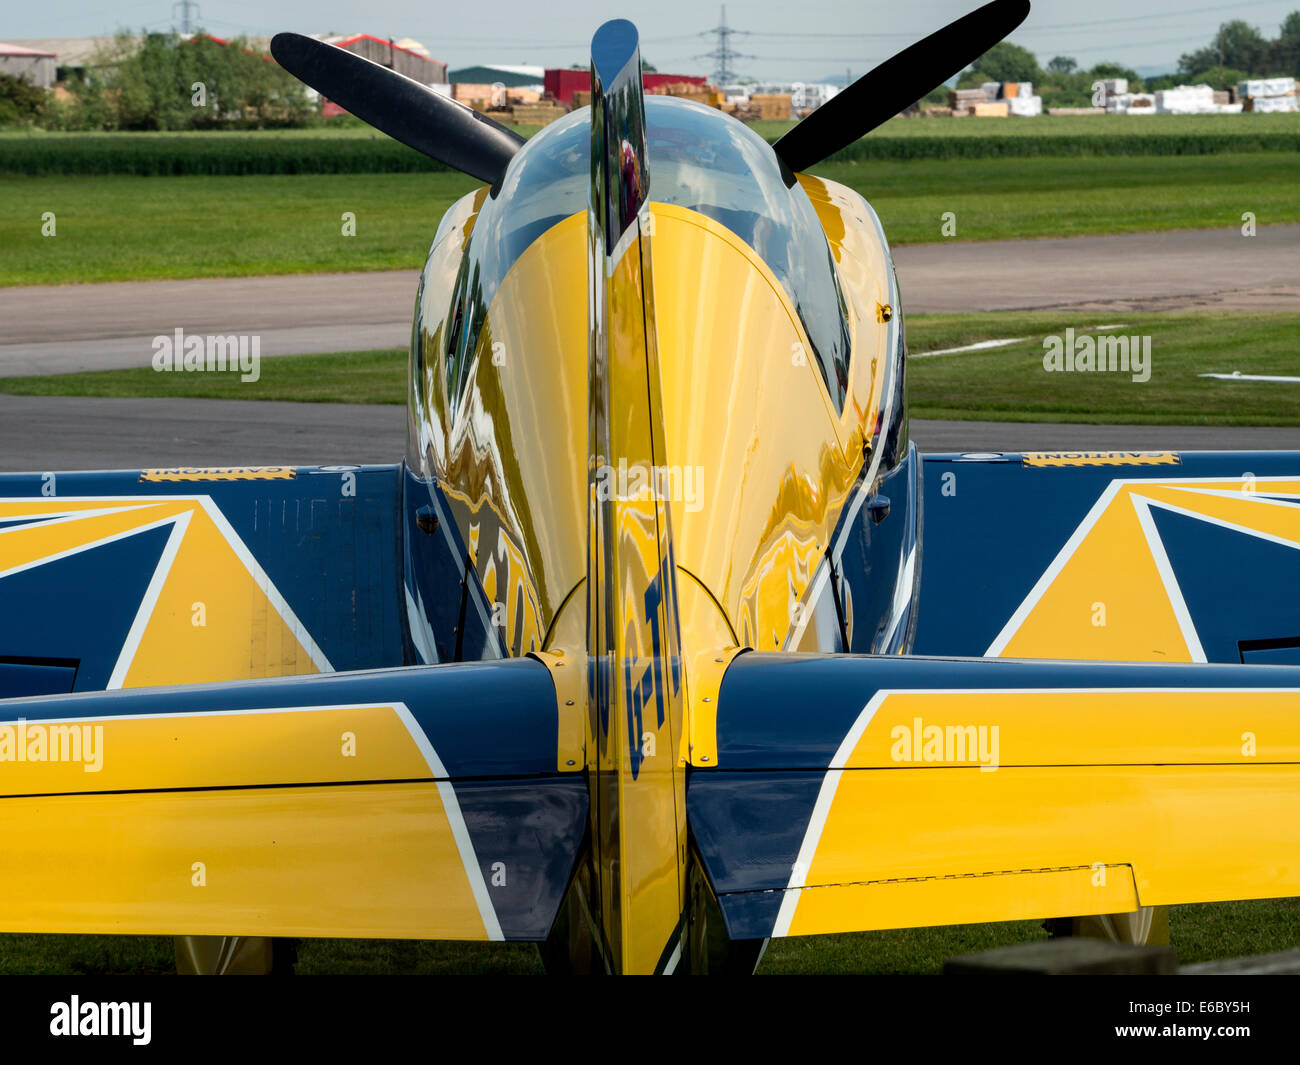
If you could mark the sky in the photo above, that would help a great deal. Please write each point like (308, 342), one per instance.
(802, 41)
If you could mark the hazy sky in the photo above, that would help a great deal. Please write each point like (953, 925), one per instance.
(802, 40)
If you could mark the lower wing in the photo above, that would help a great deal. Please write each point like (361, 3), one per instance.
(422, 802)
(920, 791)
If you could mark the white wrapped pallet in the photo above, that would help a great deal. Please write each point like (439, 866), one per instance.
(1118, 103)
(1186, 100)
(1025, 106)
(1265, 87)
(1116, 86)
(1263, 105)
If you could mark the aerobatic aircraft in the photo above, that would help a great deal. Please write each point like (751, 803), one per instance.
(663, 640)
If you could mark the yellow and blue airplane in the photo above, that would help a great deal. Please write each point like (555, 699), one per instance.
(634, 655)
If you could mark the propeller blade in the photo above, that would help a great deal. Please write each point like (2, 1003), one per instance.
(404, 109)
(897, 83)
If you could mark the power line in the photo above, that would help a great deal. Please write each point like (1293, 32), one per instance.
(723, 56)
(189, 12)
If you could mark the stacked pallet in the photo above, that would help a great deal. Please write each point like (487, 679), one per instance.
(963, 101)
(539, 114)
(991, 109)
(479, 97)
(1265, 95)
(1192, 100)
(774, 105)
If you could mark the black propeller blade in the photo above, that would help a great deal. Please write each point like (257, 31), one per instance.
(897, 83)
(404, 109)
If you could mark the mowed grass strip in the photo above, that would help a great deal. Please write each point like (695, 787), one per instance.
(130, 228)
(117, 228)
(377, 376)
(1002, 384)
(1202, 932)
(1009, 199)
(1011, 384)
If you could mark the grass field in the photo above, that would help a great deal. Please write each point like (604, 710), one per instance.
(1005, 384)
(1011, 384)
(1199, 933)
(1068, 125)
(127, 228)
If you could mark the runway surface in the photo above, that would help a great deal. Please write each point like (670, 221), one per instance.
(71, 328)
(39, 433)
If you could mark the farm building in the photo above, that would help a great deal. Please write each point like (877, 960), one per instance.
(512, 77)
(30, 64)
(405, 56)
(561, 84)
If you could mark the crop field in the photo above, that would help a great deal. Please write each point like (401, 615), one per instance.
(348, 149)
(115, 228)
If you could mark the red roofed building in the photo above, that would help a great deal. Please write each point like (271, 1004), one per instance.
(562, 84)
(30, 64)
(414, 65)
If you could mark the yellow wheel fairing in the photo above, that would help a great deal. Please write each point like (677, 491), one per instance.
(1185, 788)
(209, 614)
(1110, 593)
(208, 824)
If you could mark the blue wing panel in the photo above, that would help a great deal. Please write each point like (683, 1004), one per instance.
(326, 539)
(79, 608)
(1236, 599)
(994, 525)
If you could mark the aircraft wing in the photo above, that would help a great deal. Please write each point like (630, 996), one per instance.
(178, 576)
(1121, 556)
(416, 803)
(919, 791)
(197, 735)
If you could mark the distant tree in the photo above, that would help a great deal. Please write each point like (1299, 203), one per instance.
(21, 102)
(1241, 45)
(1062, 64)
(1217, 77)
(1003, 62)
(1285, 57)
(1112, 70)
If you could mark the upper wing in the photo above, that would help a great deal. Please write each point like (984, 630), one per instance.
(1120, 556)
(921, 791)
(179, 576)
